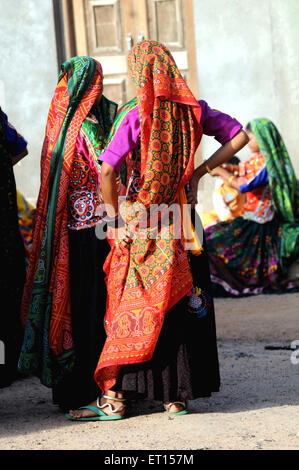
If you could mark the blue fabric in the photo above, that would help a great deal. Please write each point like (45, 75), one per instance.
(16, 143)
(261, 179)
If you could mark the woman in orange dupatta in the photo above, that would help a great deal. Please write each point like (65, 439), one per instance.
(159, 320)
(65, 286)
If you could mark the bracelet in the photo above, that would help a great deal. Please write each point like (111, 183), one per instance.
(208, 169)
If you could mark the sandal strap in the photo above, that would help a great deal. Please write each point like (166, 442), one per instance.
(113, 398)
(92, 408)
(112, 410)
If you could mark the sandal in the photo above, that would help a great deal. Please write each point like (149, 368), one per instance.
(183, 412)
(101, 416)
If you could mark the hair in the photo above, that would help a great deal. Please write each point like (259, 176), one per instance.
(234, 160)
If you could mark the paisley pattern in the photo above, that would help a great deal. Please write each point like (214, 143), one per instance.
(146, 282)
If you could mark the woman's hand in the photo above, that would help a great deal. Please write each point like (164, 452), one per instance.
(192, 194)
(216, 172)
(230, 167)
(122, 238)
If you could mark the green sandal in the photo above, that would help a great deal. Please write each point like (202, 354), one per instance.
(101, 416)
(183, 412)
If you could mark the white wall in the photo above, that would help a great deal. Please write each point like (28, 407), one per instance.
(247, 59)
(28, 76)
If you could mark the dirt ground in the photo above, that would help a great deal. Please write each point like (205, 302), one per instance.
(257, 407)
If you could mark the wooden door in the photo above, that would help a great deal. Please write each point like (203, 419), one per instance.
(107, 29)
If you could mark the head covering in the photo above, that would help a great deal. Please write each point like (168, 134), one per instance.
(48, 348)
(160, 91)
(283, 183)
(146, 282)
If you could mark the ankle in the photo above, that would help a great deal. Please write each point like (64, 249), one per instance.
(114, 395)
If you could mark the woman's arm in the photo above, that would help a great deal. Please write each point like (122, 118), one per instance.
(221, 156)
(16, 158)
(109, 189)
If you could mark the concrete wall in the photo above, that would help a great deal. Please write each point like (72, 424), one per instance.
(28, 76)
(248, 66)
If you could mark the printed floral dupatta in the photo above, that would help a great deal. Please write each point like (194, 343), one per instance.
(145, 282)
(48, 347)
(284, 186)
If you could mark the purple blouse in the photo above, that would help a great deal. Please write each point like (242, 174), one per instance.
(215, 123)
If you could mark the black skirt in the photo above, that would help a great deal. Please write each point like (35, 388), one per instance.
(185, 363)
(88, 305)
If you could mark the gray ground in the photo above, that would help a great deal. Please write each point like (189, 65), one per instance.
(257, 407)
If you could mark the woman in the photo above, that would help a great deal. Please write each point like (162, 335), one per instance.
(12, 255)
(252, 254)
(228, 202)
(159, 321)
(65, 288)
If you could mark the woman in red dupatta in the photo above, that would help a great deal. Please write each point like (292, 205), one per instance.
(65, 286)
(159, 320)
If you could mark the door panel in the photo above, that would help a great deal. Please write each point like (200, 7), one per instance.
(165, 22)
(104, 29)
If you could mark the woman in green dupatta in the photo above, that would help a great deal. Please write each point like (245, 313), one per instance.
(65, 287)
(253, 253)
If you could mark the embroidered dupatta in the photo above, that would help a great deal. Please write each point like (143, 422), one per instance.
(145, 282)
(46, 314)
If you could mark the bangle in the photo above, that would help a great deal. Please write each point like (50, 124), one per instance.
(208, 169)
(230, 179)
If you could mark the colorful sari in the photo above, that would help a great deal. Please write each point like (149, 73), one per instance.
(48, 349)
(144, 283)
(248, 257)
